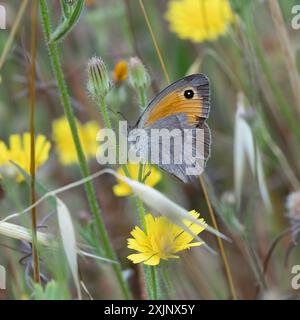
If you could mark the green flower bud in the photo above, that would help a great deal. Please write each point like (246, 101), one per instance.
(137, 74)
(98, 83)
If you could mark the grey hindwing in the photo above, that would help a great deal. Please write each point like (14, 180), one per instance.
(175, 126)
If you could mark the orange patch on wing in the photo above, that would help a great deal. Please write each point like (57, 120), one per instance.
(173, 103)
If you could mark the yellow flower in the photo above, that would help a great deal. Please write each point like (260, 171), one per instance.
(65, 146)
(120, 71)
(162, 240)
(199, 20)
(122, 189)
(90, 3)
(19, 153)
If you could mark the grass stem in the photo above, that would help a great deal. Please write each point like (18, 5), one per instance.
(219, 240)
(151, 281)
(287, 51)
(90, 191)
(36, 267)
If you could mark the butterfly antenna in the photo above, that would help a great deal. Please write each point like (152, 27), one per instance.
(122, 115)
(119, 113)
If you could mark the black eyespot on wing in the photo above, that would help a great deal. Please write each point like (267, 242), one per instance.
(188, 94)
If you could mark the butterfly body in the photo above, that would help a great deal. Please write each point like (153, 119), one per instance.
(178, 113)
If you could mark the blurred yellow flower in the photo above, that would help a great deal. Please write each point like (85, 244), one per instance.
(122, 189)
(120, 71)
(90, 3)
(162, 240)
(199, 20)
(64, 144)
(19, 153)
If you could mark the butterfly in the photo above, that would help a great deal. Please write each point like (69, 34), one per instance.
(177, 115)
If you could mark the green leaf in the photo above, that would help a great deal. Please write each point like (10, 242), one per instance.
(67, 232)
(66, 8)
(243, 148)
(262, 184)
(69, 21)
(52, 291)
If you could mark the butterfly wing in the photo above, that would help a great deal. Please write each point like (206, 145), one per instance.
(182, 106)
(174, 137)
(175, 99)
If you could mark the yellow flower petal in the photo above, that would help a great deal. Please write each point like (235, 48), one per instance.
(137, 257)
(161, 240)
(15, 142)
(138, 234)
(122, 189)
(65, 146)
(19, 152)
(199, 20)
(4, 153)
(153, 261)
(90, 131)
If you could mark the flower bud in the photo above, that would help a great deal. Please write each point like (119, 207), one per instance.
(138, 76)
(120, 71)
(98, 80)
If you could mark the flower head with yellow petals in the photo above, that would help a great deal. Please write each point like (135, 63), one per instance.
(18, 152)
(162, 239)
(63, 139)
(199, 20)
(153, 177)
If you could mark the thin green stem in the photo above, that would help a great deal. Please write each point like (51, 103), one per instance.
(165, 274)
(141, 172)
(142, 98)
(151, 281)
(139, 202)
(154, 283)
(105, 114)
(141, 211)
(89, 188)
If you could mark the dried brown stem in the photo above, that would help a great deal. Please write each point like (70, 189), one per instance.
(286, 47)
(34, 12)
